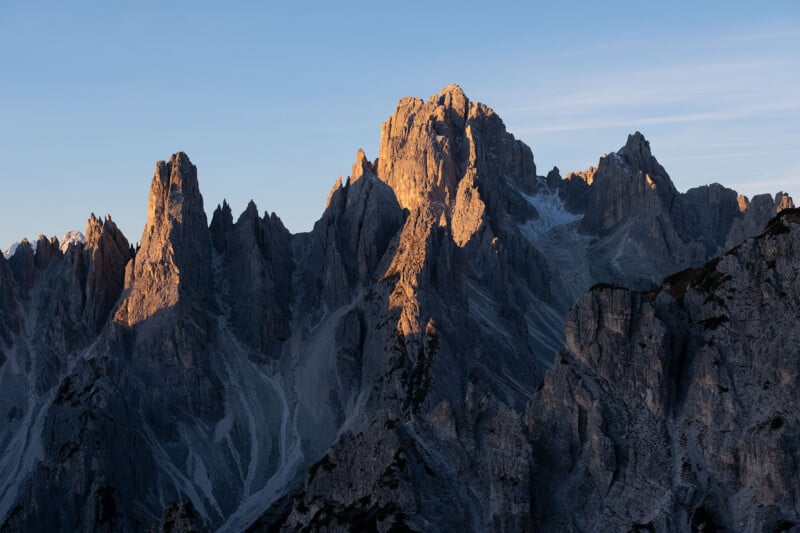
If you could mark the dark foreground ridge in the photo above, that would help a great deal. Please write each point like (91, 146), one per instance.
(407, 364)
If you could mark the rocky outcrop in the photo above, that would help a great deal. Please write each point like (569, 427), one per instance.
(173, 264)
(449, 154)
(8, 316)
(257, 266)
(626, 184)
(755, 214)
(348, 243)
(180, 517)
(109, 253)
(667, 407)
(463, 467)
(641, 228)
(714, 210)
(374, 371)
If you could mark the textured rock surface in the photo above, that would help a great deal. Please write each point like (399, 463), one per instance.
(675, 410)
(179, 517)
(174, 262)
(109, 253)
(375, 371)
(641, 228)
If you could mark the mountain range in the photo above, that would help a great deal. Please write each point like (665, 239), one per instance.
(460, 343)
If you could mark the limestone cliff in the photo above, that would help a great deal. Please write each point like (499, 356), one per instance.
(673, 410)
(393, 367)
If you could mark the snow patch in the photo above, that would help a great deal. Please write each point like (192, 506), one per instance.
(552, 215)
(13, 248)
(71, 237)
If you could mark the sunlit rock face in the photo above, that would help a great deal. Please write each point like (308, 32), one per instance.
(394, 366)
(174, 262)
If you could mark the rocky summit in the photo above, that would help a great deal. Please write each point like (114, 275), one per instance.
(459, 343)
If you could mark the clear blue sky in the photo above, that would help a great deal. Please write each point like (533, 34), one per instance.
(272, 100)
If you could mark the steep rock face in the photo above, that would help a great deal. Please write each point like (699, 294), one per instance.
(8, 319)
(167, 403)
(170, 281)
(672, 410)
(463, 178)
(428, 148)
(347, 244)
(22, 266)
(452, 312)
(174, 262)
(343, 324)
(109, 252)
(461, 467)
(54, 303)
(256, 264)
(756, 213)
(715, 209)
(637, 213)
(180, 517)
(435, 154)
(625, 181)
(394, 346)
(639, 228)
(575, 189)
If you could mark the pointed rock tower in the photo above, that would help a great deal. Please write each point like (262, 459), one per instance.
(175, 256)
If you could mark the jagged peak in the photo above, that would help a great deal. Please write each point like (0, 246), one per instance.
(46, 249)
(174, 182)
(427, 148)
(361, 167)
(221, 221)
(637, 143)
(451, 95)
(452, 89)
(783, 201)
(96, 228)
(222, 213)
(174, 256)
(336, 186)
(636, 157)
(250, 212)
(743, 203)
(553, 178)
(586, 176)
(174, 196)
(275, 220)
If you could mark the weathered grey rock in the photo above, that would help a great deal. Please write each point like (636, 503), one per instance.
(22, 265)
(180, 517)
(465, 467)
(9, 322)
(109, 253)
(756, 213)
(639, 228)
(714, 209)
(673, 410)
(221, 224)
(399, 341)
(258, 266)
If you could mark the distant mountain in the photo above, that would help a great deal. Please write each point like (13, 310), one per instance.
(71, 237)
(393, 367)
(676, 409)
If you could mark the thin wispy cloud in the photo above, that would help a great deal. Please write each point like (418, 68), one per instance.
(782, 109)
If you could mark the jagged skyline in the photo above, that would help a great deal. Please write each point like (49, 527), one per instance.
(427, 357)
(94, 97)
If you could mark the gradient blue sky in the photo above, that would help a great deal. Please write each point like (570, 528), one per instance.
(271, 101)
